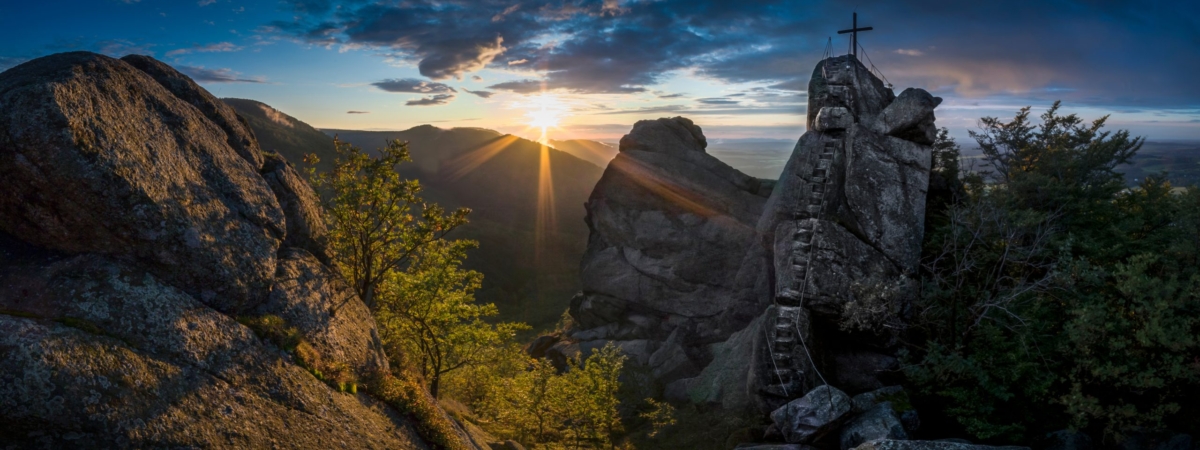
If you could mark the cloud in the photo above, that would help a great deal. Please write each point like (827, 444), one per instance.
(671, 96)
(483, 94)
(210, 48)
(206, 2)
(358, 112)
(717, 101)
(476, 78)
(413, 86)
(439, 99)
(612, 47)
(203, 75)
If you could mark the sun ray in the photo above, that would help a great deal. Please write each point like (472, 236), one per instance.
(461, 165)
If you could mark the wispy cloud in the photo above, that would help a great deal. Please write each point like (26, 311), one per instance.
(909, 52)
(210, 48)
(413, 86)
(483, 94)
(203, 75)
(358, 112)
(440, 99)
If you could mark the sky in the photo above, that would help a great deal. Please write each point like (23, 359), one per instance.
(591, 68)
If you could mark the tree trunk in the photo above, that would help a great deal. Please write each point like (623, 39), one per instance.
(369, 296)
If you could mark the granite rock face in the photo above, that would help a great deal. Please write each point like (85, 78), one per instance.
(237, 131)
(133, 230)
(301, 208)
(98, 157)
(846, 223)
(670, 225)
(809, 418)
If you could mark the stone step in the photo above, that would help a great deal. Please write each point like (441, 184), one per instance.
(800, 269)
(818, 188)
(806, 225)
(814, 209)
(818, 179)
(801, 245)
(819, 172)
(782, 356)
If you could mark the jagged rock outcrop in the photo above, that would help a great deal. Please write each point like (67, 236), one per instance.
(100, 158)
(133, 232)
(773, 298)
(301, 208)
(670, 225)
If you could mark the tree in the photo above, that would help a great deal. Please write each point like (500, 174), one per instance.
(1052, 295)
(377, 221)
(577, 407)
(429, 313)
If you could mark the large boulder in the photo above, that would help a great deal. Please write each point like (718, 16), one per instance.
(321, 305)
(95, 353)
(892, 444)
(99, 157)
(132, 233)
(237, 131)
(301, 207)
(809, 418)
(878, 422)
(670, 225)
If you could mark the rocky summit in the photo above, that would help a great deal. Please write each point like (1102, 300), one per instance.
(743, 294)
(138, 220)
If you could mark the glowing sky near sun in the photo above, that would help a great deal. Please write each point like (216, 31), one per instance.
(739, 69)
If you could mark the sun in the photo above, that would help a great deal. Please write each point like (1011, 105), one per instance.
(544, 111)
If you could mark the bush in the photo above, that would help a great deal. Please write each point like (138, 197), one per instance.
(407, 395)
(1054, 297)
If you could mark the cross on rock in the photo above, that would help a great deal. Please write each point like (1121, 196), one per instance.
(854, 29)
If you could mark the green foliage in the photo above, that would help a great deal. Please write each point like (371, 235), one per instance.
(377, 222)
(540, 405)
(660, 416)
(428, 312)
(406, 394)
(274, 329)
(1052, 297)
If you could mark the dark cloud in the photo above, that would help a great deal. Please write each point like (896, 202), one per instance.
(483, 94)
(358, 112)
(671, 96)
(439, 99)
(1103, 53)
(203, 75)
(413, 86)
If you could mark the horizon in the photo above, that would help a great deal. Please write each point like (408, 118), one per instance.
(591, 69)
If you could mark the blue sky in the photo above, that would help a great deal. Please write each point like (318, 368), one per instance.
(738, 68)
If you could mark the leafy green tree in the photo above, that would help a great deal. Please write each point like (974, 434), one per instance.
(1051, 284)
(377, 221)
(429, 313)
(577, 407)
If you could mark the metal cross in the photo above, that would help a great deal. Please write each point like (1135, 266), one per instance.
(854, 35)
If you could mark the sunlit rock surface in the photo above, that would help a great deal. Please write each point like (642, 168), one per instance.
(135, 227)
